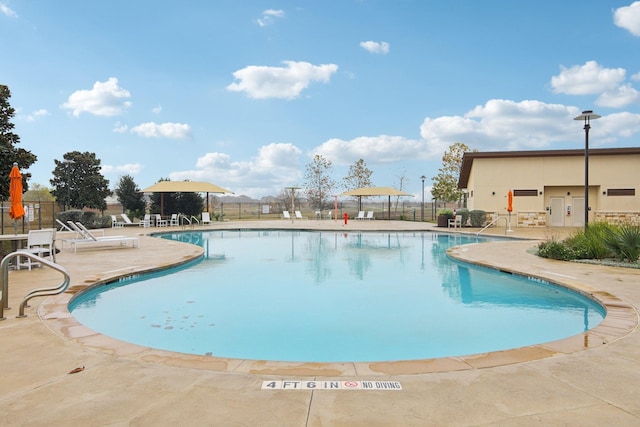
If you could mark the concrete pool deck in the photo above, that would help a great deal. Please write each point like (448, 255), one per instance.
(122, 384)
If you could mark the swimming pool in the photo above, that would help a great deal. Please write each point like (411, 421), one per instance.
(332, 297)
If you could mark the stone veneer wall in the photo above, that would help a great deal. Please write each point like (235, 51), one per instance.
(632, 218)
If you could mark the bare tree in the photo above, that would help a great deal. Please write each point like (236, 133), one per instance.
(319, 184)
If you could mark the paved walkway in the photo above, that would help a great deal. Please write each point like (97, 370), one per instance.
(587, 380)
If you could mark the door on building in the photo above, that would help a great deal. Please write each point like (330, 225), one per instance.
(556, 212)
(578, 211)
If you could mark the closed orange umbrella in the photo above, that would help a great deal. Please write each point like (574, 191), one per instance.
(15, 193)
(510, 202)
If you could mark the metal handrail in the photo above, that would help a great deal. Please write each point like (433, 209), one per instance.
(40, 292)
(506, 225)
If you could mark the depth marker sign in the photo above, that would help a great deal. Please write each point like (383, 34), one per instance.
(331, 385)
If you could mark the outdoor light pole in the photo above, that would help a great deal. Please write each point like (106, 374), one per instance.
(587, 116)
(422, 205)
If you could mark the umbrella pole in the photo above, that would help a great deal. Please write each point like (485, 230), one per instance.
(15, 227)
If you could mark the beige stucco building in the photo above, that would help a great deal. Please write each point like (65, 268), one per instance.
(548, 186)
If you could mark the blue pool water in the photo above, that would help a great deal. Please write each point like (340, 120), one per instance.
(332, 297)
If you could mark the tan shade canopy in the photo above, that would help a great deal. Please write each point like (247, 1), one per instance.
(375, 191)
(184, 187)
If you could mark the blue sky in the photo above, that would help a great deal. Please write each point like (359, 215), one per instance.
(244, 93)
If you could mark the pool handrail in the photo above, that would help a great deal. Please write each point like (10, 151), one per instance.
(39, 292)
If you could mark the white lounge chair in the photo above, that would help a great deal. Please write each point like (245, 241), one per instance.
(128, 221)
(40, 243)
(370, 215)
(299, 215)
(285, 215)
(174, 221)
(206, 218)
(360, 215)
(88, 238)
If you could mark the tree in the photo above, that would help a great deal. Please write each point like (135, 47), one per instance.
(445, 184)
(9, 154)
(359, 176)
(130, 197)
(38, 193)
(402, 183)
(78, 182)
(319, 184)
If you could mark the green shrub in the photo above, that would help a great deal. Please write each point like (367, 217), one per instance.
(591, 243)
(446, 212)
(624, 242)
(478, 218)
(555, 249)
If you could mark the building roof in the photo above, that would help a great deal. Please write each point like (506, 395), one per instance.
(469, 157)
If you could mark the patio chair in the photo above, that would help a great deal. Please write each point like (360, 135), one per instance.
(369, 215)
(299, 215)
(161, 222)
(455, 222)
(360, 215)
(174, 221)
(40, 243)
(206, 218)
(285, 215)
(115, 223)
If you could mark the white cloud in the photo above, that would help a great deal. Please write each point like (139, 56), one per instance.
(636, 76)
(503, 124)
(593, 79)
(375, 47)
(374, 149)
(105, 99)
(5, 10)
(163, 130)
(269, 16)
(587, 79)
(261, 82)
(120, 128)
(126, 169)
(618, 98)
(35, 115)
(276, 166)
(157, 110)
(628, 17)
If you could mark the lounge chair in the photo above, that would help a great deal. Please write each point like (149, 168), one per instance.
(285, 215)
(455, 222)
(174, 221)
(40, 243)
(369, 215)
(88, 238)
(206, 218)
(63, 226)
(299, 215)
(128, 221)
(360, 215)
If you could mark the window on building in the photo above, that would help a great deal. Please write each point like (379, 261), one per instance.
(518, 193)
(621, 192)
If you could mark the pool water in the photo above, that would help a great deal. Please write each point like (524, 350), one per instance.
(333, 297)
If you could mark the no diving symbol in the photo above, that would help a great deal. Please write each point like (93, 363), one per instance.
(351, 384)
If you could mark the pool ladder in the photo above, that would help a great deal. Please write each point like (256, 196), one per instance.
(40, 292)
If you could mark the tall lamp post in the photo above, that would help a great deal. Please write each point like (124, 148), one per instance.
(422, 205)
(587, 116)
